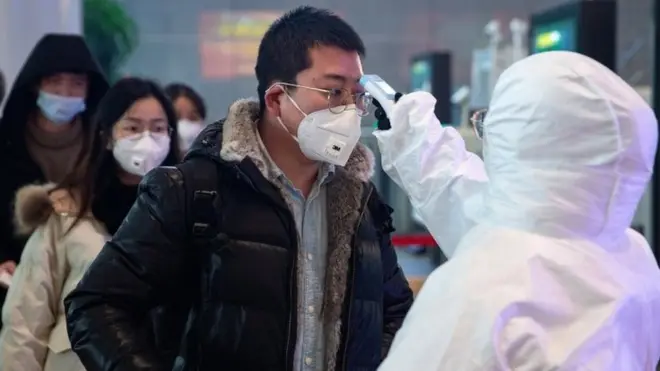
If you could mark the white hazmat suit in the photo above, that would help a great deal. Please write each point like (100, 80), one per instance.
(544, 273)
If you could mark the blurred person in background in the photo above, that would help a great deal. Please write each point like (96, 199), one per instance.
(270, 228)
(43, 125)
(544, 272)
(191, 111)
(69, 222)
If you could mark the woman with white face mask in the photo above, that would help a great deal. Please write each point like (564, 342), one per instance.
(190, 111)
(69, 222)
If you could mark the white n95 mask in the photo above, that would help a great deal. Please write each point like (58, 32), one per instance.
(140, 153)
(329, 137)
(188, 131)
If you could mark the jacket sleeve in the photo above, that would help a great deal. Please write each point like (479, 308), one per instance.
(397, 295)
(32, 303)
(141, 267)
(11, 244)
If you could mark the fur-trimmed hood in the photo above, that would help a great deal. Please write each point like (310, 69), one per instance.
(34, 204)
(239, 140)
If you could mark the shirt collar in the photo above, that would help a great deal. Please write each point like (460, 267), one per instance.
(272, 171)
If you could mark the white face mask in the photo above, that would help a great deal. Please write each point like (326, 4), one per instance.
(329, 137)
(188, 132)
(140, 153)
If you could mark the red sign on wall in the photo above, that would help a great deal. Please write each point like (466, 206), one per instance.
(229, 42)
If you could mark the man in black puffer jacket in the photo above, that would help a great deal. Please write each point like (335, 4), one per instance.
(294, 269)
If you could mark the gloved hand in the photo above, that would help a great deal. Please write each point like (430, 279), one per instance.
(413, 118)
(430, 163)
(381, 116)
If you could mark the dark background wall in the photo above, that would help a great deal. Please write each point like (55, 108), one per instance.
(393, 31)
(172, 34)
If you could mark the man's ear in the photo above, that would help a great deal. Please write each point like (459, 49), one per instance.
(273, 99)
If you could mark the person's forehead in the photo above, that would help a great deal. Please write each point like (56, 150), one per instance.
(332, 63)
(184, 103)
(145, 106)
(68, 75)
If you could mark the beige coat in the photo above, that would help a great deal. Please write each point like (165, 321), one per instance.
(34, 335)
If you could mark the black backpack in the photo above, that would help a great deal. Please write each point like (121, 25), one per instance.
(201, 182)
(176, 331)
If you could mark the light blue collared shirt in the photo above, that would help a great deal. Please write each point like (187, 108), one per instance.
(311, 222)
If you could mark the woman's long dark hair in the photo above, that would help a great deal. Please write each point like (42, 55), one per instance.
(178, 90)
(95, 167)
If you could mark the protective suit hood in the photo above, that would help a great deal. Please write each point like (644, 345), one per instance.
(544, 273)
(54, 53)
(568, 148)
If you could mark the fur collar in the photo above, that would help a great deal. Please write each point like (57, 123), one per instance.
(34, 204)
(239, 140)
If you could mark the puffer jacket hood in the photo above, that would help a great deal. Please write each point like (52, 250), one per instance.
(35, 203)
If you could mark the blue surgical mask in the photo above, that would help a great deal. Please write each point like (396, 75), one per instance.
(59, 109)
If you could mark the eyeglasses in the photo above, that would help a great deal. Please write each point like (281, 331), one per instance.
(130, 126)
(338, 99)
(477, 120)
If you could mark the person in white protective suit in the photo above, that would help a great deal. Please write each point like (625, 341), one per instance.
(544, 273)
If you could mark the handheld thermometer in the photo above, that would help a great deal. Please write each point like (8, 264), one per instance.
(381, 91)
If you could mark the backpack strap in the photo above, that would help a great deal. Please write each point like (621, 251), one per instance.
(201, 180)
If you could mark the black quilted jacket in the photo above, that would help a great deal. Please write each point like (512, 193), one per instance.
(241, 284)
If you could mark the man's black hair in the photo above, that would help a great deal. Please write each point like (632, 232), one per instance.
(284, 49)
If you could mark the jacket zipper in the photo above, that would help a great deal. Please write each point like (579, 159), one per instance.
(293, 299)
(288, 353)
(350, 300)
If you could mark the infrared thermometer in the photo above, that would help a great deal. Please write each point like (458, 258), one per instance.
(380, 91)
